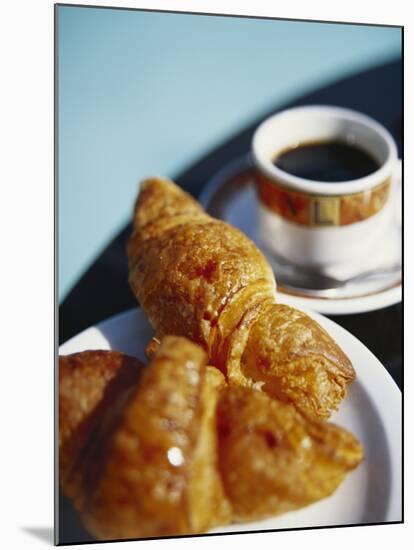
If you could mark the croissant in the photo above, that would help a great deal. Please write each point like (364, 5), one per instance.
(148, 466)
(89, 382)
(199, 277)
(273, 459)
(174, 450)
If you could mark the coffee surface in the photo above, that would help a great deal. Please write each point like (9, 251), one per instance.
(328, 161)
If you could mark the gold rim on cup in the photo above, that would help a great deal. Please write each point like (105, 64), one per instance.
(321, 211)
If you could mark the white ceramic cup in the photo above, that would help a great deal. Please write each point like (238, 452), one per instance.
(316, 223)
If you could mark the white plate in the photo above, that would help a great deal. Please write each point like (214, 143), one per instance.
(372, 411)
(231, 196)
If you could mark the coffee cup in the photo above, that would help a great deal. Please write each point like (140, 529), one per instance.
(314, 220)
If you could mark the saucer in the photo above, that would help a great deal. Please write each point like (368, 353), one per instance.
(230, 195)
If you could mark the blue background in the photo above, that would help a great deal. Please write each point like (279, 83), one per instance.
(145, 93)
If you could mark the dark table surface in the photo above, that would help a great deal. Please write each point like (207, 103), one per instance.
(103, 290)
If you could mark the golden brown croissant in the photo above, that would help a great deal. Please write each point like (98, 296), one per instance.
(173, 450)
(149, 465)
(199, 277)
(89, 382)
(273, 459)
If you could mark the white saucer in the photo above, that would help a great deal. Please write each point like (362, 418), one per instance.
(231, 196)
(370, 494)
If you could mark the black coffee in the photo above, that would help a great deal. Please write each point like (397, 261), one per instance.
(330, 161)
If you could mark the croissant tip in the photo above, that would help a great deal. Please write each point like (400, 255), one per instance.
(155, 180)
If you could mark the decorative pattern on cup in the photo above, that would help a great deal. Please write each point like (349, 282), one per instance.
(321, 211)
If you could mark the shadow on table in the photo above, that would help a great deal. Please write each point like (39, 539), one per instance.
(44, 534)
